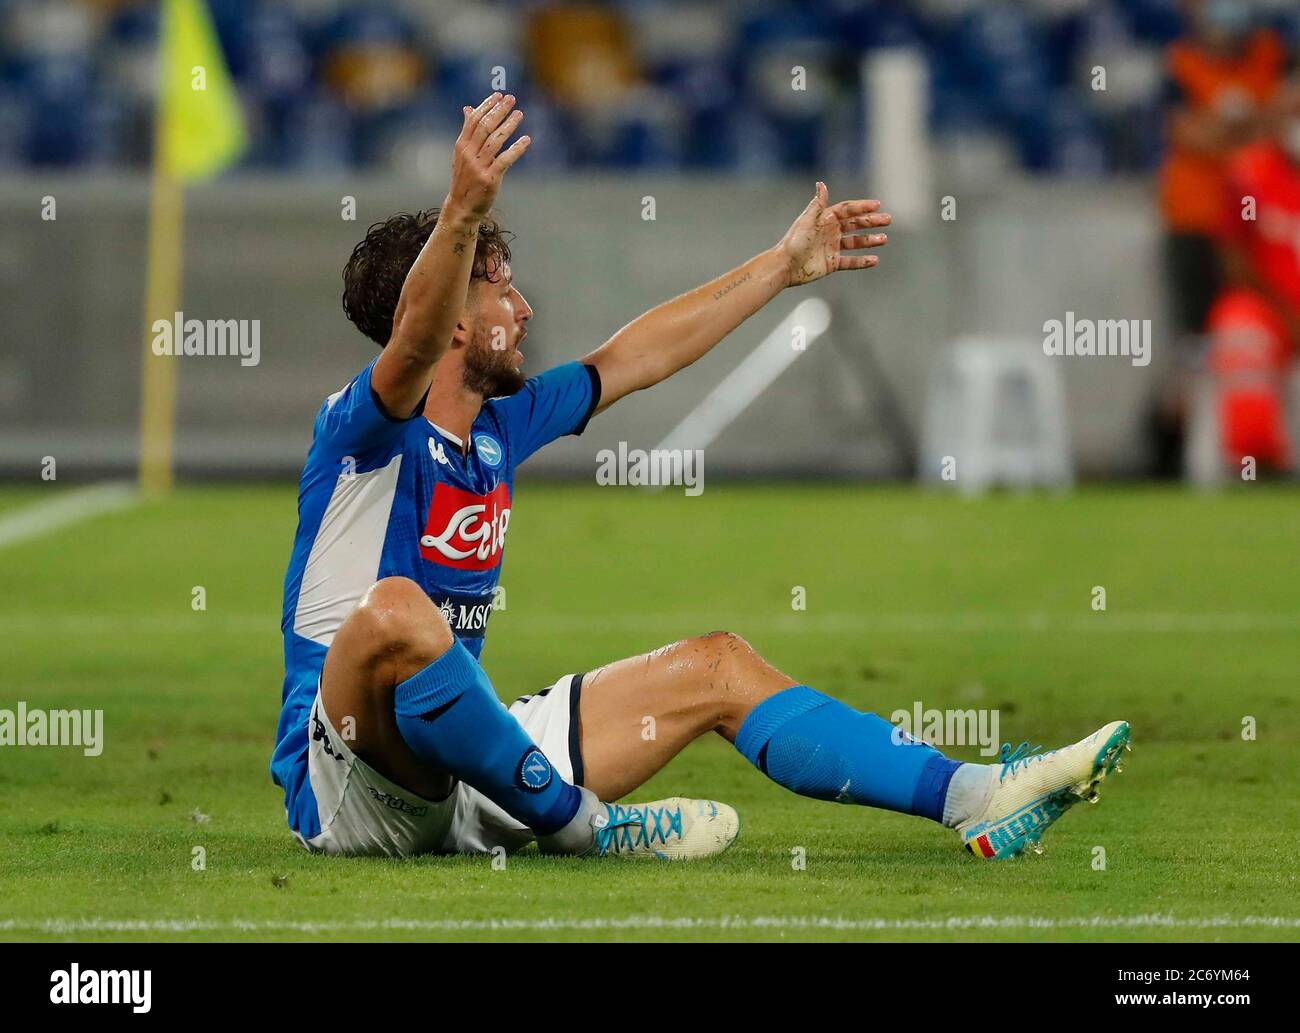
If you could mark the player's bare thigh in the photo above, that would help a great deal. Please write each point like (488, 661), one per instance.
(394, 632)
(637, 714)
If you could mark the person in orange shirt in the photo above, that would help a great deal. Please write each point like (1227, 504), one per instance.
(1254, 324)
(1222, 73)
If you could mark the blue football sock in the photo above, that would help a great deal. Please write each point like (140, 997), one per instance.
(450, 716)
(816, 746)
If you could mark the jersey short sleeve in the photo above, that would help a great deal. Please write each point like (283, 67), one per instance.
(551, 405)
(353, 420)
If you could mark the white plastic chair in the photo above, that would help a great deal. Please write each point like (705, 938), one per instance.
(995, 415)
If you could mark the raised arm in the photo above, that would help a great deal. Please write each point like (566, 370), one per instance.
(433, 294)
(670, 337)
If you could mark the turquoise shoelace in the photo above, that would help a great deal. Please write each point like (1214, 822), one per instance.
(1021, 756)
(651, 823)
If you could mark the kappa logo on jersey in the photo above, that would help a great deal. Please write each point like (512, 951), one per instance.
(488, 450)
(534, 771)
(465, 530)
(436, 451)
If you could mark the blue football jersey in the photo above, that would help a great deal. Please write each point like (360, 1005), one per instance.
(381, 497)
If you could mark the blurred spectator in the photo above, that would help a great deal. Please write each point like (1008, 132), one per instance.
(582, 54)
(331, 84)
(1223, 72)
(1255, 321)
(371, 61)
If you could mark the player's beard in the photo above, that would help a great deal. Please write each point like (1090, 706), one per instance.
(491, 372)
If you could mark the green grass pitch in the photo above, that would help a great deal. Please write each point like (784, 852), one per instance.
(910, 597)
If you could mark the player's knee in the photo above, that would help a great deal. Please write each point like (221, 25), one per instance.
(398, 619)
(726, 643)
(727, 656)
(736, 676)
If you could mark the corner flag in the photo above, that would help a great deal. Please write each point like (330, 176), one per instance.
(198, 131)
(201, 128)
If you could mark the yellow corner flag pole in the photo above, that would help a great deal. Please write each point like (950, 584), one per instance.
(162, 289)
(198, 131)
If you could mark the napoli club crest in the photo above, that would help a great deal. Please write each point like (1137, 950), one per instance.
(535, 771)
(489, 449)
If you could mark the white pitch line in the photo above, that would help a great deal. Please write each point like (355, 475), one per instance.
(680, 623)
(760, 923)
(67, 507)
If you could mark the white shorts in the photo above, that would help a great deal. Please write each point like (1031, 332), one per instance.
(362, 813)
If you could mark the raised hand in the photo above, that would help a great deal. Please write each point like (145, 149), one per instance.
(815, 245)
(479, 164)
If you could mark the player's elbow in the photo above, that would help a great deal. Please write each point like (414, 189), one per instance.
(631, 365)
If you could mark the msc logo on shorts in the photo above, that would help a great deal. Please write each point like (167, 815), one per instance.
(488, 449)
(534, 772)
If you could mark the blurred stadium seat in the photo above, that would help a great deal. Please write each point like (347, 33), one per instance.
(377, 84)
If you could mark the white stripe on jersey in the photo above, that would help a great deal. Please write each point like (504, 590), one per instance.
(344, 559)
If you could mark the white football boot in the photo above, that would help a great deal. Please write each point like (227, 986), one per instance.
(1034, 789)
(676, 829)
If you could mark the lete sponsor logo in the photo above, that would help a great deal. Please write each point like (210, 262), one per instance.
(465, 530)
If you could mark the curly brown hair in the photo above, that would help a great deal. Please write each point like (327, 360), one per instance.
(377, 268)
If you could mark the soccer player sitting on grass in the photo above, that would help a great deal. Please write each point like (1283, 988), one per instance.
(391, 738)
